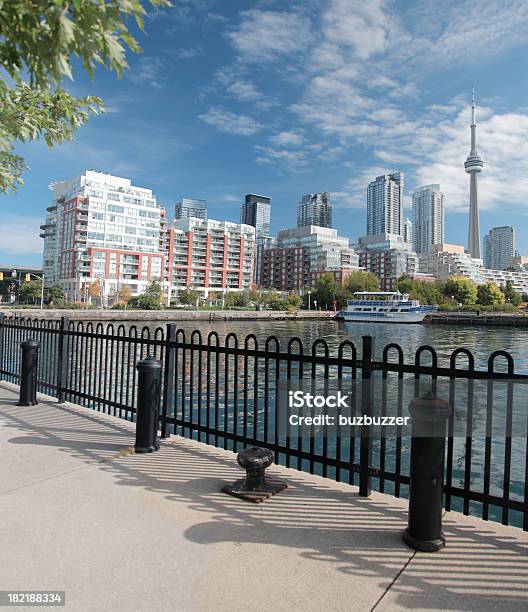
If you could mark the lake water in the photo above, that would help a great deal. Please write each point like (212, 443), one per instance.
(482, 341)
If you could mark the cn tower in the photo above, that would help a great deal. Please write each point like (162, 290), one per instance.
(473, 165)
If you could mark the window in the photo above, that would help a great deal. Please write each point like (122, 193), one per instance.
(115, 208)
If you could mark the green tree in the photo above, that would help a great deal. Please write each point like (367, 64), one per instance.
(511, 295)
(55, 295)
(361, 281)
(461, 289)
(405, 284)
(489, 294)
(325, 291)
(188, 297)
(38, 41)
(150, 299)
(30, 292)
(292, 302)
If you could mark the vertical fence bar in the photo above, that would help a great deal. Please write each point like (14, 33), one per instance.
(2, 328)
(365, 452)
(168, 377)
(62, 358)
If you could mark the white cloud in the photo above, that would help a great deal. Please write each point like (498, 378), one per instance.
(263, 36)
(367, 28)
(230, 123)
(287, 139)
(148, 71)
(185, 52)
(22, 238)
(294, 160)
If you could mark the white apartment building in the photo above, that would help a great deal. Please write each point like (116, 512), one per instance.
(102, 228)
(428, 217)
(385, 205)
(445, 260)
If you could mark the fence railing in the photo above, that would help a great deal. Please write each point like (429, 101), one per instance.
(231, 393)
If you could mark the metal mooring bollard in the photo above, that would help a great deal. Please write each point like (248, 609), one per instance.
(429, 418)
(148, 404)
(254, 487)
(28, 373)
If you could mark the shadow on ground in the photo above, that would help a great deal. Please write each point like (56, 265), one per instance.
(323, 520)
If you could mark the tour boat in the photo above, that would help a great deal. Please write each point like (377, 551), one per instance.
(384, 307)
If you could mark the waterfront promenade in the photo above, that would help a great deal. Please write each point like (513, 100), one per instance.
(119, 531)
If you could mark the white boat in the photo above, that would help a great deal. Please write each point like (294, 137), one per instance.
(384, 307)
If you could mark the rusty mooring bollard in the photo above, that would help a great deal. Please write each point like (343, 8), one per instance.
(254, 488)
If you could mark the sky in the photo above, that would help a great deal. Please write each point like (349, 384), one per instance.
(287, 98)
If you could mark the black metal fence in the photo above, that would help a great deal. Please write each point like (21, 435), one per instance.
(230, 394)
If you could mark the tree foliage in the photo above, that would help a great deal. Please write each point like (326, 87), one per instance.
(361, 281)
(38, 41)
(511, 296)
(490, 294)
(461, 289)
(30, 292)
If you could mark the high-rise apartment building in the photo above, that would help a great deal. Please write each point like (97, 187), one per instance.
(315, 209)
(256, 211)
(101, 228)
(388, 257)
(190, 207)
(385, 205)
(208, 255)
(498, 247)
(428, 217)
(300, 254)
(407, 231)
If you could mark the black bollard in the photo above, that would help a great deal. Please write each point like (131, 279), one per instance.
(429, 418)
(148, 404)
(28, 373)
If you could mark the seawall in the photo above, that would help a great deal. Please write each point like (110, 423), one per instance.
(167, 315)
(484, 318)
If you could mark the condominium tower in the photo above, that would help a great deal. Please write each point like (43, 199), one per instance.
(385, 205)
(428, 217)
(498, 247)
(190, 207)
(315, 209)
(256, 211)
(101, 228)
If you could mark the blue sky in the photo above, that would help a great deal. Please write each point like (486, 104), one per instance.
(286, 98)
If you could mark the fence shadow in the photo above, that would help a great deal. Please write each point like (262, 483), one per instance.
(319, 519)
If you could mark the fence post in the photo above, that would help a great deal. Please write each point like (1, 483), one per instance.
(168, 377)
(148, 404)
(365, 451)
(429, 420)
(62, 358)
(2, 317)
(28, 373)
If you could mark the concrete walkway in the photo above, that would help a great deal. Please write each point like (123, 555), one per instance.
(119, 531)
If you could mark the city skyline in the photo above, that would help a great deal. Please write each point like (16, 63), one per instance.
(358, 106)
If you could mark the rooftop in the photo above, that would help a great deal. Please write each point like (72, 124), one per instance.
(119, 531)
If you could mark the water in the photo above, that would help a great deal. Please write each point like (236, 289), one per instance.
(482, 341)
